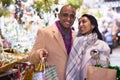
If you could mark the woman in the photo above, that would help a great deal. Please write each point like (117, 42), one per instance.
(87, 45)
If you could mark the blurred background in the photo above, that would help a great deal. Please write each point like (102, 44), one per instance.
(20, 19)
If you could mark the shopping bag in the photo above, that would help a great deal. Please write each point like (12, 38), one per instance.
(98, 73)
(46, 73)
(38, 76)
(51, 73)
(29, 71)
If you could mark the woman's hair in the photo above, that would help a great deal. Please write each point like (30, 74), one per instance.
(94, 22)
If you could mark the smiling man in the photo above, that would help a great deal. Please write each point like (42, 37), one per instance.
(54, 43)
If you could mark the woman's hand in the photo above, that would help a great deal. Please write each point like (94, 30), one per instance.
(95, 54)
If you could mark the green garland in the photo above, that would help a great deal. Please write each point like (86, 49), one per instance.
(113, 67)
(118, 70)
(75, 3)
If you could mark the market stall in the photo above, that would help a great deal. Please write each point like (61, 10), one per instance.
(10, 62)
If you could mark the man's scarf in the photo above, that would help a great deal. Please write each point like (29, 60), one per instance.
(76, 58)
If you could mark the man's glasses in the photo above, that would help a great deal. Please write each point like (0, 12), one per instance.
(66, 15)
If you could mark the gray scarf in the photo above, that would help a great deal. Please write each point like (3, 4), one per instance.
(76, 58)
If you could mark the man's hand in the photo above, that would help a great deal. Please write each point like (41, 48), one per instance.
(43, 54)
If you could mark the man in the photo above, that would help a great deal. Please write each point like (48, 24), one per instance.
(54, 42)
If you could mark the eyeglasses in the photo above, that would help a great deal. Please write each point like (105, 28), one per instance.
(66, 15)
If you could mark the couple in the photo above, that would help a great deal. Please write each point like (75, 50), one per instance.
(68, 51)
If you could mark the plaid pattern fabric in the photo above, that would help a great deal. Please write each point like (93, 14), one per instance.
(49, 73)
(38, 76)
(75, 61)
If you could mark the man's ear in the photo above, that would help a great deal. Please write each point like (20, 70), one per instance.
(59, 15)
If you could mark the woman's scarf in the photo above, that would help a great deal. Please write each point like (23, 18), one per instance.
(76, 58)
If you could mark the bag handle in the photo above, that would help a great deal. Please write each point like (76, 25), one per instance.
(41, 65)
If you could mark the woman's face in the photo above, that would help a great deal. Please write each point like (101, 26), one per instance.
(85, 26)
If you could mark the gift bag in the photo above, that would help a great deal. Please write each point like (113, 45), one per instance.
(31, 69)
(98, 73)
(47, 73)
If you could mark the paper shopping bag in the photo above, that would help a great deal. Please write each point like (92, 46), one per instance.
(98, 73)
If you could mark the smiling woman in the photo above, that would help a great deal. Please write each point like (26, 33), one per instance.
(88, 40)
(88, 24)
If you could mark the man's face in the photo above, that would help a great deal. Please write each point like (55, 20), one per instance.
(67, 16)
